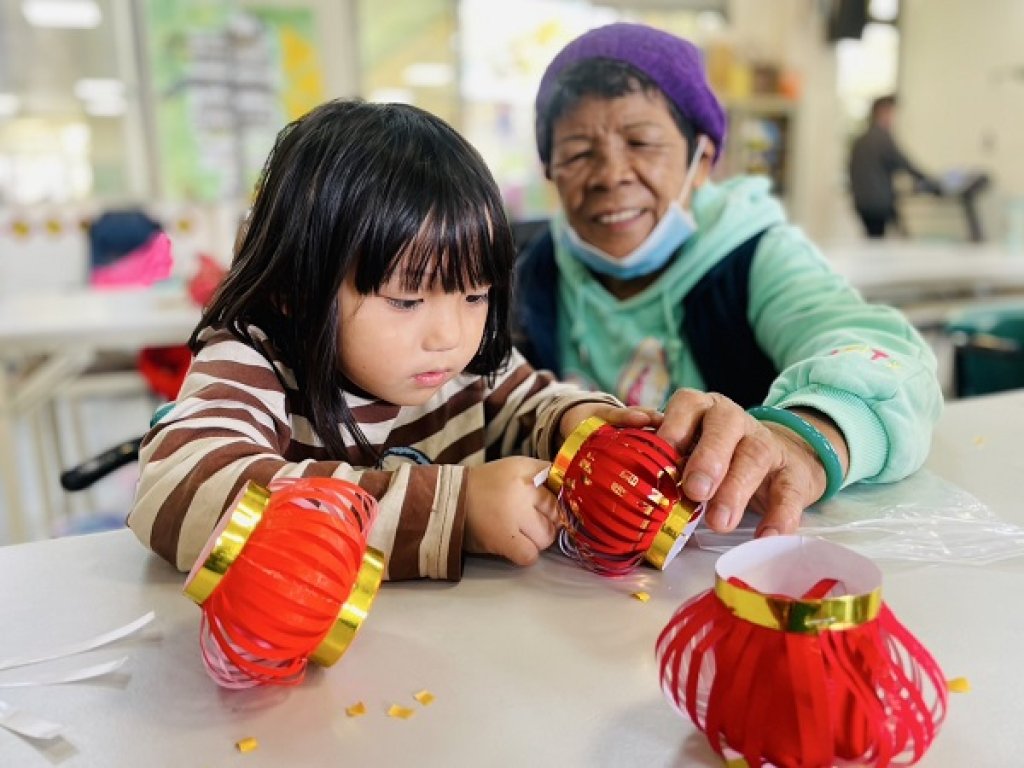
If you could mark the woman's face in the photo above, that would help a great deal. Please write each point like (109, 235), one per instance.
(617, 165)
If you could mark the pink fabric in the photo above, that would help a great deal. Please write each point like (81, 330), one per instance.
(145, 265)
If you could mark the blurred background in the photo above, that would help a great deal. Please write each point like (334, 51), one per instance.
(119, 118)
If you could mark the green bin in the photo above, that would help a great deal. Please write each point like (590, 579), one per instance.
(988, 349)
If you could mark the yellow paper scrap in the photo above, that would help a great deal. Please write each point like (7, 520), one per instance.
(247, 744)
(403, 713)
(356, 709)
(424, 697)
(959, 685)
(979, 440)
(643, 597)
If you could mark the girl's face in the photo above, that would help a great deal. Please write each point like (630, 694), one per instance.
(617, 165)
(402, 346)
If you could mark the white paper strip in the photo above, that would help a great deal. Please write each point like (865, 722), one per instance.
(27, 725)
(541, 477)
(72, 676)
(87, 645)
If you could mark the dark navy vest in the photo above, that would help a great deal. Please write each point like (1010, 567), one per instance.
(714, 324)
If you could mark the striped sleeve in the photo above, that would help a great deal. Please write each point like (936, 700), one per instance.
(231, 424)
(525, 407)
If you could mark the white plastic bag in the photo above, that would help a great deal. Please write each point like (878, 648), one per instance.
(923, 518)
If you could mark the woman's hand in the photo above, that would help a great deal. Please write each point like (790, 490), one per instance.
(736, 461)
(506, 514)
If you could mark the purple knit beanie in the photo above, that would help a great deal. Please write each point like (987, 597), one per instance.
(674, 64)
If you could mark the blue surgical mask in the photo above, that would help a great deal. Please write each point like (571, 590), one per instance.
(667, 237)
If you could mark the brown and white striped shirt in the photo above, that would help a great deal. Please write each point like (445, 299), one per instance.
(239, 417)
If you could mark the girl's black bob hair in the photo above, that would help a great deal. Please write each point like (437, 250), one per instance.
(378, 190)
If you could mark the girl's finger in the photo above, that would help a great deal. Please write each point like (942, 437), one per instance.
(547, 506)
(630, 417)
(538, 530)
(519, 549)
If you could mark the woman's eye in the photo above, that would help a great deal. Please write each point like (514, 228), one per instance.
(646, 144)
(404, 304)
(576, 157)
(478, 298)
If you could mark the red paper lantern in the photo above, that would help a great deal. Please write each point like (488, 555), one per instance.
(793, 660)
(287, 577)
(618, 491)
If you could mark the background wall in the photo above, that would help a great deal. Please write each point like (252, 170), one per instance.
(962, 93)
(792, 32)
(338, 30)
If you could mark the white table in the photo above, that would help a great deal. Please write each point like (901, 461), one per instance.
(930, 281)
(67, 330)
(544, 666)
(887, 264)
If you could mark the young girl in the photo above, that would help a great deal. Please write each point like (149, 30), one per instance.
(362, 333)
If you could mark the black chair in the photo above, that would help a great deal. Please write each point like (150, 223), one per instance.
(83, 475)
(526, 231)
(80, 477)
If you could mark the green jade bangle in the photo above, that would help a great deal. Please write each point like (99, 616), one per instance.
(812, 436)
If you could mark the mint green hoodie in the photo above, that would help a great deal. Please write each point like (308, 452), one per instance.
(861, 364)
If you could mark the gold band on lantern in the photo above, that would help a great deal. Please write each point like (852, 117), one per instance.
(353, 611)
(669, 533)
(241, 521)
(556, 475)
(804, 617)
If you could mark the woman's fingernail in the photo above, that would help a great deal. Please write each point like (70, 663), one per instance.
(719, 517)
(697, 486)
(735, 517)
(769, 531)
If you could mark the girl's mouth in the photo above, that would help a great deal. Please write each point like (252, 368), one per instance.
(430, 378)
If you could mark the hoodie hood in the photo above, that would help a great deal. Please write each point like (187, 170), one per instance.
(729, 213)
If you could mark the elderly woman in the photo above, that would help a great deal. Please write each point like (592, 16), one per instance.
(697, 297)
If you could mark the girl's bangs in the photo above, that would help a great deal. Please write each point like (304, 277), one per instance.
(455, 247)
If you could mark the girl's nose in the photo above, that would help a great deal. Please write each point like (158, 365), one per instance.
(445, 329)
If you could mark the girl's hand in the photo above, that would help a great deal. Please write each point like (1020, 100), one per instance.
(506, 514)
(620, 417)
(736, 460)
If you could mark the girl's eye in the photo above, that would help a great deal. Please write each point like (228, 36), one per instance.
(404, 304)
(478, 298)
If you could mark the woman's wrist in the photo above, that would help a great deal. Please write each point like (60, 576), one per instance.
(819, 433)
(830, 430)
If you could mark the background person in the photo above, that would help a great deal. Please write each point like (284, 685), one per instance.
(875, 159)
